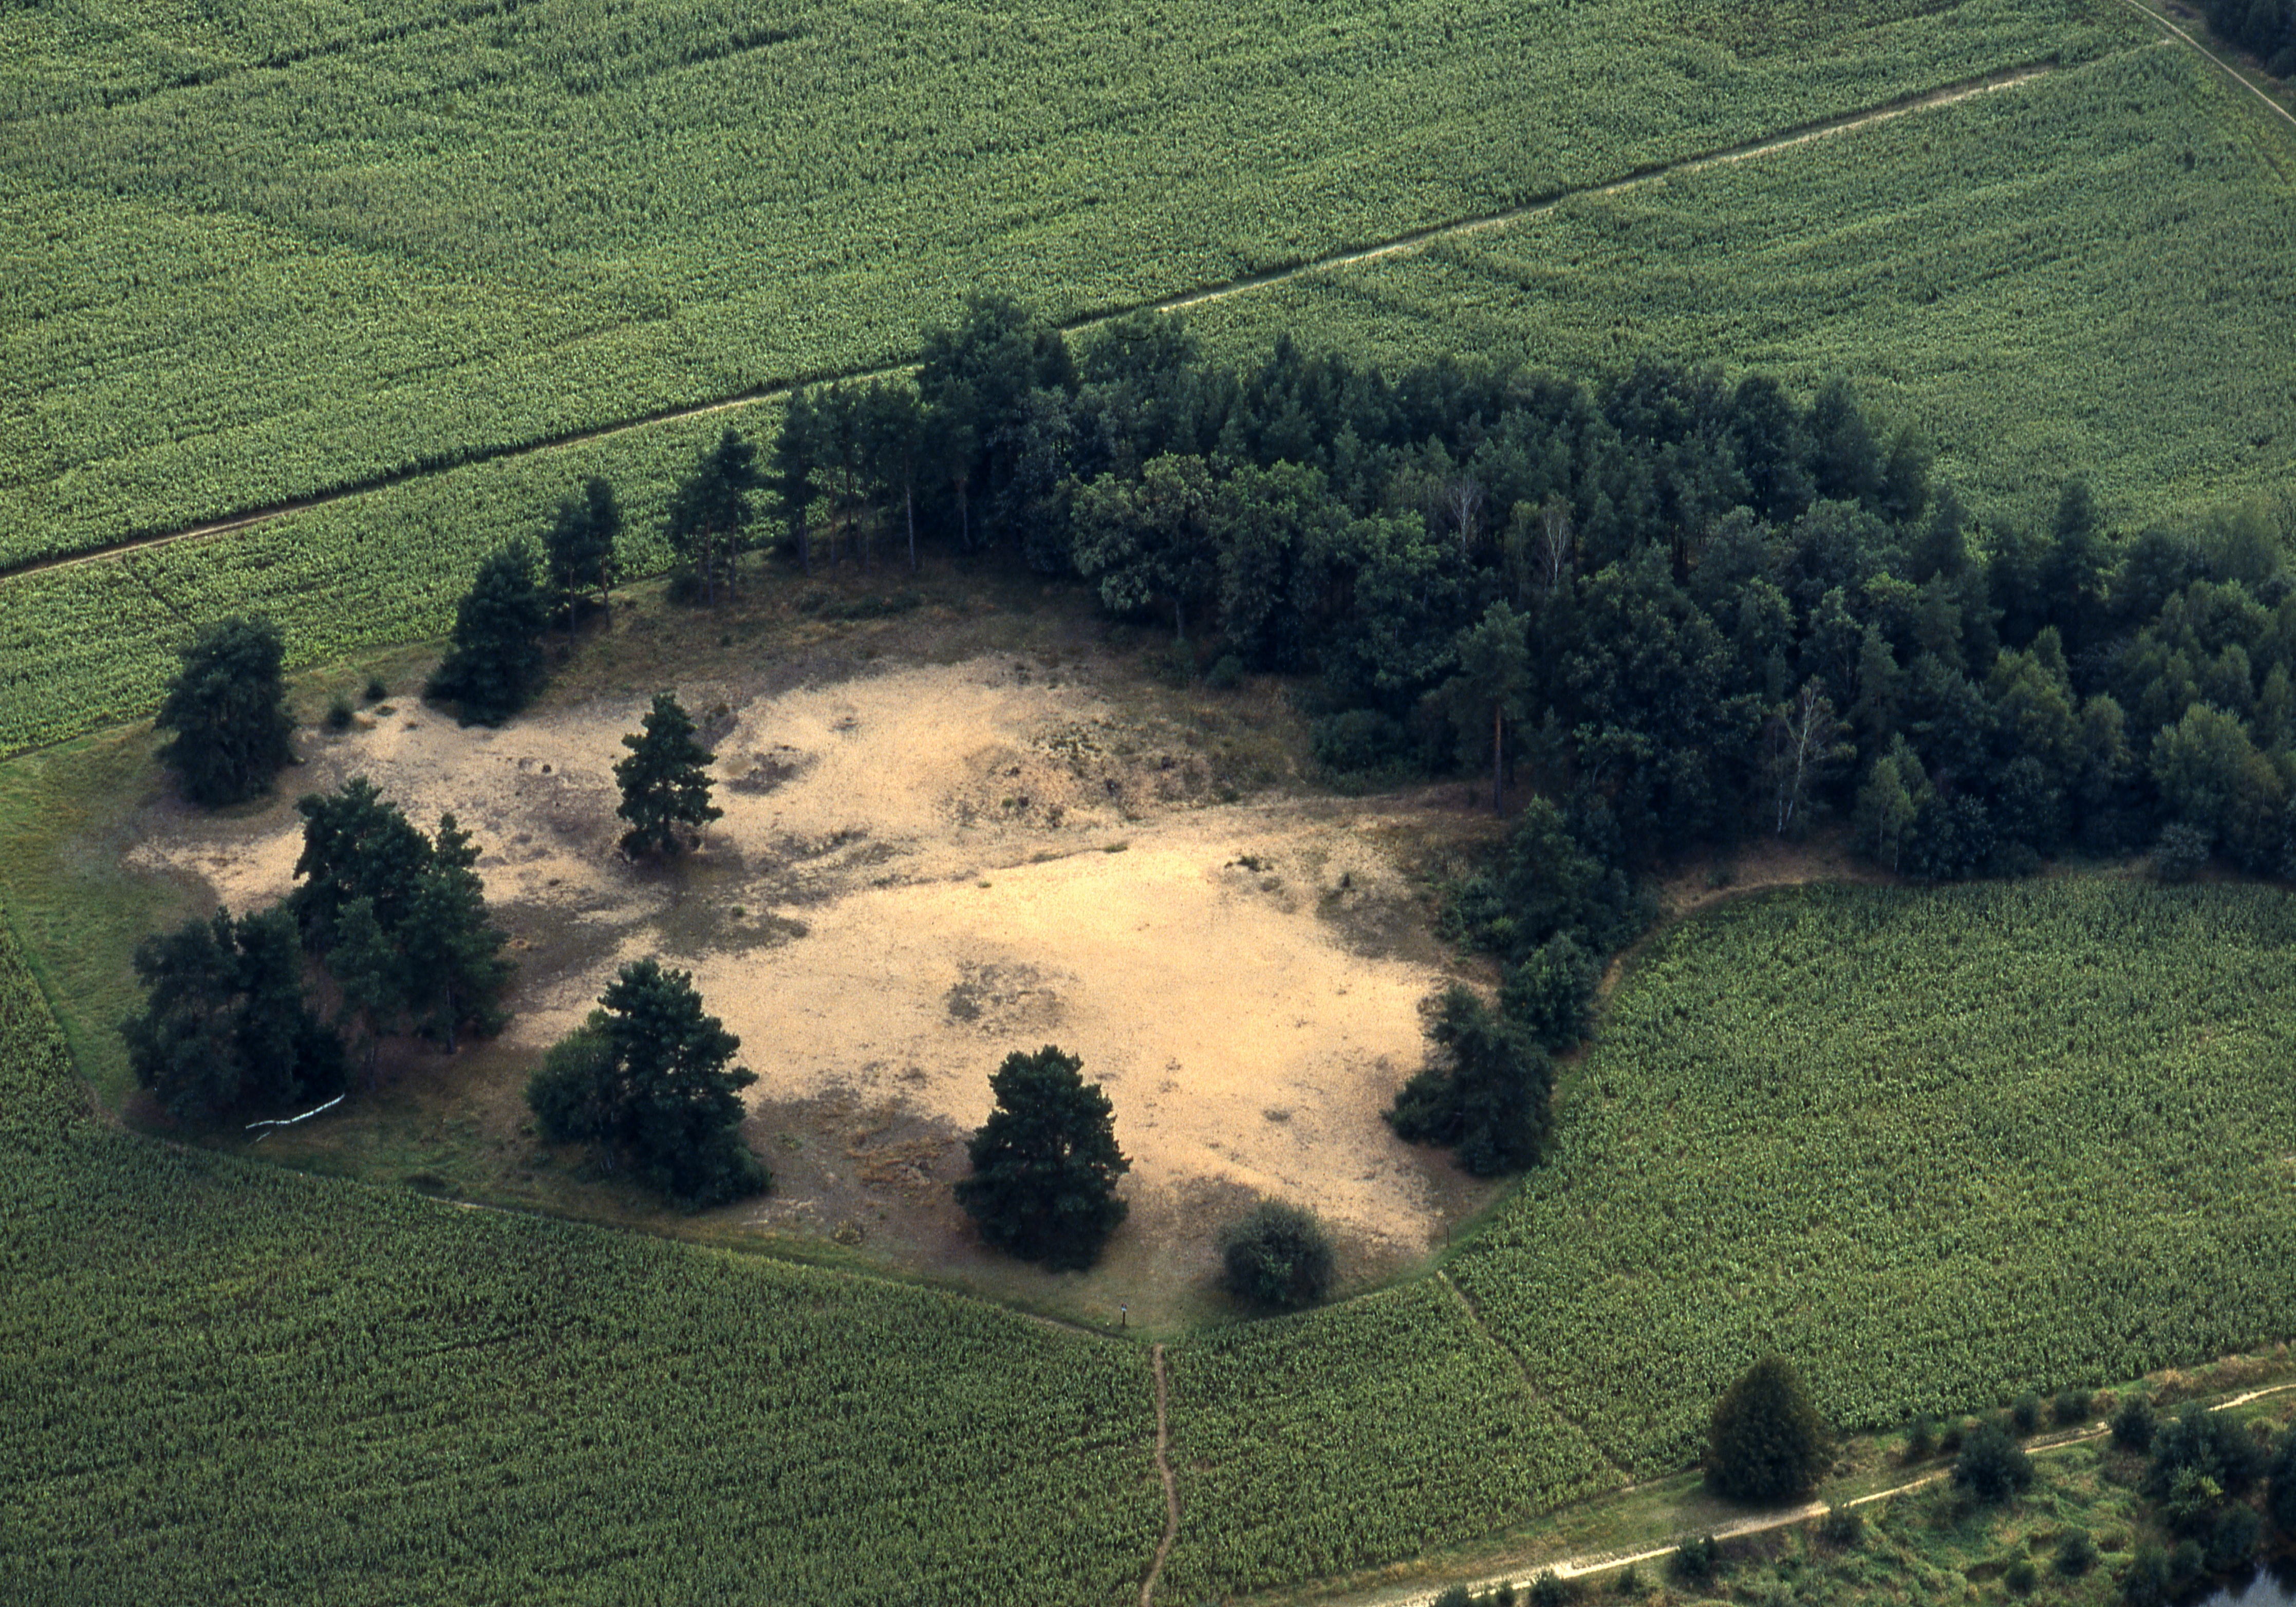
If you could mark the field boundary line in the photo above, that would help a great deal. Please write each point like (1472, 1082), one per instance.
(1475, 1316)
(1404, 244)
(2227, 68)
(1171, 1487)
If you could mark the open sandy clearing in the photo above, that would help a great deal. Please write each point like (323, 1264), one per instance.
(921, 871)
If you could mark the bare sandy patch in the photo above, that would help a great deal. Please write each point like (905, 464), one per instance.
(921, 871)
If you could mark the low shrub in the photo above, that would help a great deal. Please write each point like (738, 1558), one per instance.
(2072, 1407)
(2076, 1553)
(2025, 1413)
(2135, 1424)
(1277, 1255)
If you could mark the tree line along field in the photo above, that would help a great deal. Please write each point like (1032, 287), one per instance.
(2091, 270)
(2032, 276)
(1956, 1144)
(253, 259)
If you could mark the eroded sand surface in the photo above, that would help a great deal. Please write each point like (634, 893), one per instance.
(914, 877)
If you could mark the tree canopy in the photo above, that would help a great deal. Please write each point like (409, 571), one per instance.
(581, 547)
(496, 664)
(224, 1028)
(399, 919)
(228, 707)
(710, 512)
(1484, 1091)
(1045, 1164)
(1277, 1255)
(664, 781)
(649, 1078)
(1766, 1441)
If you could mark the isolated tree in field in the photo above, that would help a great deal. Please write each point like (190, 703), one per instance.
(228, 707)
(649, 1078)
(710, 511)
(1484, 1091)
(1045, 1164)
(496, 664)
(581, 548)
(1492, 687)
(664, 784)
(1767, 1441)
(224, 1026)
(1277, 1255)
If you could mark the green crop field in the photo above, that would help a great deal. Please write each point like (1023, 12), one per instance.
(1937, 1147)
(2093, 272)
(246, 260)
(231, 1383)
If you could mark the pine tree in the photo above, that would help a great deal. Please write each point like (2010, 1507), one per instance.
(1767, 1441)
(496, 664)
(1045, 1164)
(649, 1078)
(228, 707)
(711, 510)
(224, 1027)
(581, 548)
(663, 782)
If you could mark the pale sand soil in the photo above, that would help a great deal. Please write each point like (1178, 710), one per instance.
(912, 879)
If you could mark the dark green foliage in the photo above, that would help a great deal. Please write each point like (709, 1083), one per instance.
(1551, 994)
(665, 786)
(2234, 1537)
(2208, 1443)
(2021, 1576)
(223, 1029)
(376, 690)
(1277, 1255)
(1992, 1467)
(2152, 1579)
(1485, 1090)
(2072, 1407)
(2280, 1491)
(1456, 1595)
(2076, 1553)
(1045, 1164)
(649, 1078)
(1561, 875)
(709, 514)
(2134, 1423)
(228, 707)
(581, 548)
(1842, 1526)
(1921, 1437)
(1695, 1561)
(1361, 741)
(1227, 673)
(1766, 1441)
(398, 918)
(496, 664)
(2025, 1413)
(339, 712)
(1549, 1589)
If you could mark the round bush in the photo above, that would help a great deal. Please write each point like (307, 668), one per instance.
(2020, 1577)
(1277, 1255)
(2180, 853)
(2135, 1424)
(2025, 1414)
(1991, 1467)
(2076, 1553)
(2071, 1407)
(1921, 1437)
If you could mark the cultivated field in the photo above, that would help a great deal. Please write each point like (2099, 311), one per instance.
(350, 242)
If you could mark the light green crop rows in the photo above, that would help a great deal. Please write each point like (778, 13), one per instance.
(220, 1381)
(2093, 273)
(1355, 1435)
(1933, 1147)
(360, 241)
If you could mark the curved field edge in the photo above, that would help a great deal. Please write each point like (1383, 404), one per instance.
(231, 1379)
(1936, 1147)
(334, 270)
